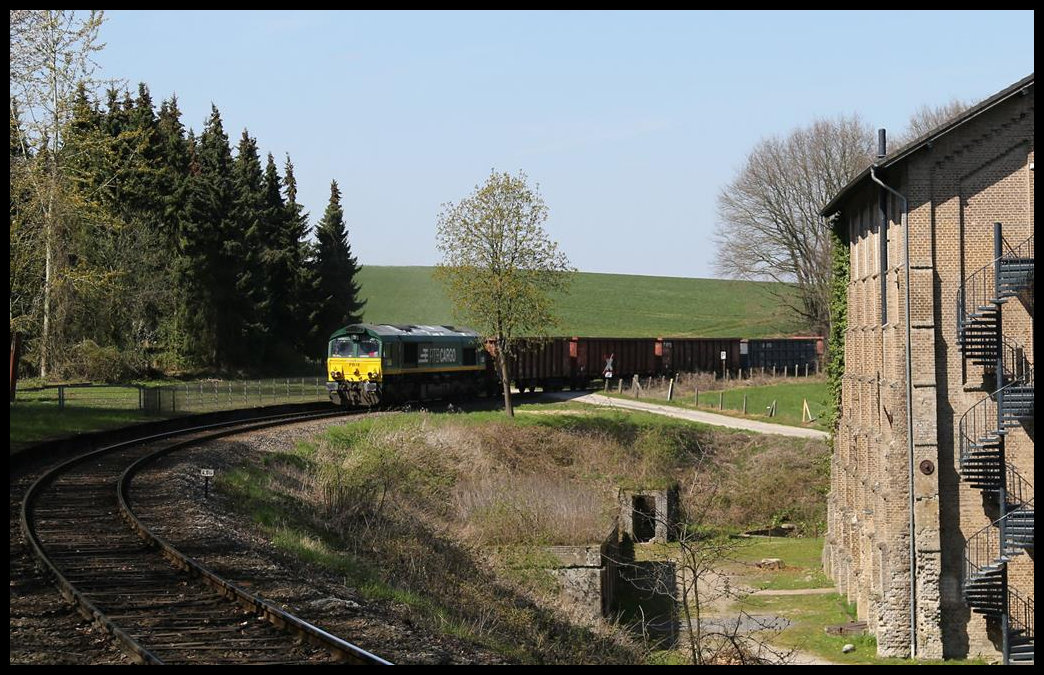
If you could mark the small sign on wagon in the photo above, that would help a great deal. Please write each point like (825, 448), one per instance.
(206, 473)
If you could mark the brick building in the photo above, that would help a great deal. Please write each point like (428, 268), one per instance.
(930, 514)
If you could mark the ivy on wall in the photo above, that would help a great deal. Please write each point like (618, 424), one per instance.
(839, 274)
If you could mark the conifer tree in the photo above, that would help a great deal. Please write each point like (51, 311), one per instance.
(250, 246)
(337, 290)
(172, 158)
(304, 307)
(284, 258)
(210, 312)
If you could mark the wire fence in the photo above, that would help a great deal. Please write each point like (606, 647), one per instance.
(186, 397)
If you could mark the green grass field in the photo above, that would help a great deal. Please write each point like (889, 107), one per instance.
(809, 613)
(607, 305)
(789, 396)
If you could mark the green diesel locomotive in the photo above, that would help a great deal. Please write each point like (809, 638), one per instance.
(370, 364)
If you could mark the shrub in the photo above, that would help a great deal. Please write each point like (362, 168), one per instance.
(89, 361)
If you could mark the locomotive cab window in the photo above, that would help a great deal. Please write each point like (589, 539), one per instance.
(369, 348)
(342, 347)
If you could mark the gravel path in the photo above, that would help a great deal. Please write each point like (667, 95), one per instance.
(692, 415)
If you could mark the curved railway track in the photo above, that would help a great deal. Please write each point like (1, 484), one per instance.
(162, 606)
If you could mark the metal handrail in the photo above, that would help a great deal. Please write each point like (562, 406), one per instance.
(1017, 368)
(1019, 490)
(979, 422)
(1023, 249)
(979, 289)
(1020, 613)
(980, 550)
(984, 547)
(975, 293)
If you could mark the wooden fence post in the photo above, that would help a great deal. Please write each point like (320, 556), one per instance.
(670, 390)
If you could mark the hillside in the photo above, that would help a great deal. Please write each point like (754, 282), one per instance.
(614, 305)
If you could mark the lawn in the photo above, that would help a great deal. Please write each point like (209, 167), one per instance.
(37, 421)
(789, 396)
(809, 613)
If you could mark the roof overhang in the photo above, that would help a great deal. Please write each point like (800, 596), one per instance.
(1020, 88)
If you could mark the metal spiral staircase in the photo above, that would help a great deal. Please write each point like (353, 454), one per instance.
(982, 432)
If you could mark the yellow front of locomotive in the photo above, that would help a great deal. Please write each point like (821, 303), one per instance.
(353, 367)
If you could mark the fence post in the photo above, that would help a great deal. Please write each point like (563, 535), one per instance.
(670, 390)
(696, 398)
(619, 387)
(721, 399)
(744, 404)
(61, 397)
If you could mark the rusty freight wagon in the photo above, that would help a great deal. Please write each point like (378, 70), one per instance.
(548, 363)
(559, 362)
(700, 355)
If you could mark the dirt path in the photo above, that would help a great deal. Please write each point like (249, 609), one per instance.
(692, 415)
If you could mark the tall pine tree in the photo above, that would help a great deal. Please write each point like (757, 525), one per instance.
(304, 307)
(210, 314)
(284, 260)
(251, 246)
(337, 292)
(172, 157)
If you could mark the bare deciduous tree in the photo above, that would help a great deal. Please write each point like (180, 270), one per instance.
(926, 119)
(769, 226)
(693, 580)
(499, 266)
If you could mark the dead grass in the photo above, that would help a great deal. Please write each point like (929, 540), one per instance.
(422, 500)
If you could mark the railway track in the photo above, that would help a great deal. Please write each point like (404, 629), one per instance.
(161, 606)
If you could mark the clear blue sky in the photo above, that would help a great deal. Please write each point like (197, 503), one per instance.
(631, 123)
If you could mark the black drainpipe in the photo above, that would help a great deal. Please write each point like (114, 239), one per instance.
(882, 206)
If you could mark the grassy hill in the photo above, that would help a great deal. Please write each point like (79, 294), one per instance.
(614, 305)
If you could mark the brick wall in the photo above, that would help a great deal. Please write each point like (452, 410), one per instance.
(969, 178)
